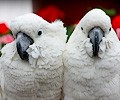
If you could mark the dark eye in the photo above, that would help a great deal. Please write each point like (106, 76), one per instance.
(64, 25)
(39, 33)
(81, 28)
(110, 29)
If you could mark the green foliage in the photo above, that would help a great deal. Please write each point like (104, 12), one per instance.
(0, 51)
(69, 31)
(110, 12)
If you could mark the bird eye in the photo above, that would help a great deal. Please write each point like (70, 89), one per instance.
(64, 25)
(110, 29)
(39, 33)
(81, 28)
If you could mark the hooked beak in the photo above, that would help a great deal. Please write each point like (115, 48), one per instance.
(95, 34)
(22, 43)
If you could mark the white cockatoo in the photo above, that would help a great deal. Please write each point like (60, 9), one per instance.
(32, 64)
(91, 59)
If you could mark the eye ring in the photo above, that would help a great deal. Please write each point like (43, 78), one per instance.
(39, 33)
(110, 29)
(82, 28)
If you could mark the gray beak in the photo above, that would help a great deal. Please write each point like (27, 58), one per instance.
(95, 35)
(22, 43)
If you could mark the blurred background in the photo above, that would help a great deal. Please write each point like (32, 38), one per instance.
(69, 11)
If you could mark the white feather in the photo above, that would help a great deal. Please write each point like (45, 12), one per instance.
(40, 78)
(87, 77)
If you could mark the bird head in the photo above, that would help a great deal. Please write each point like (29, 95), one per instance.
(30, 28)
(95, 26)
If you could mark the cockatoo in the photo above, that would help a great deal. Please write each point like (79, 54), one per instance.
(91, 60)
(32, 64)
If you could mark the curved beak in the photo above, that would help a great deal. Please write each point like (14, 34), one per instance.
(22, 43)
(95, 34)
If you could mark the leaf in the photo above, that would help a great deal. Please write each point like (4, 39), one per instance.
(69, 31)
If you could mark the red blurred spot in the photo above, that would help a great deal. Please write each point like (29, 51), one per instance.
(3, 28)
(118, 32)
(51, 13)
(6, 39)
(116, 22)
(77, 22)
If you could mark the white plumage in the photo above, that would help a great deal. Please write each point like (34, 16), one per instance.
(41, 77)
(87, 77)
